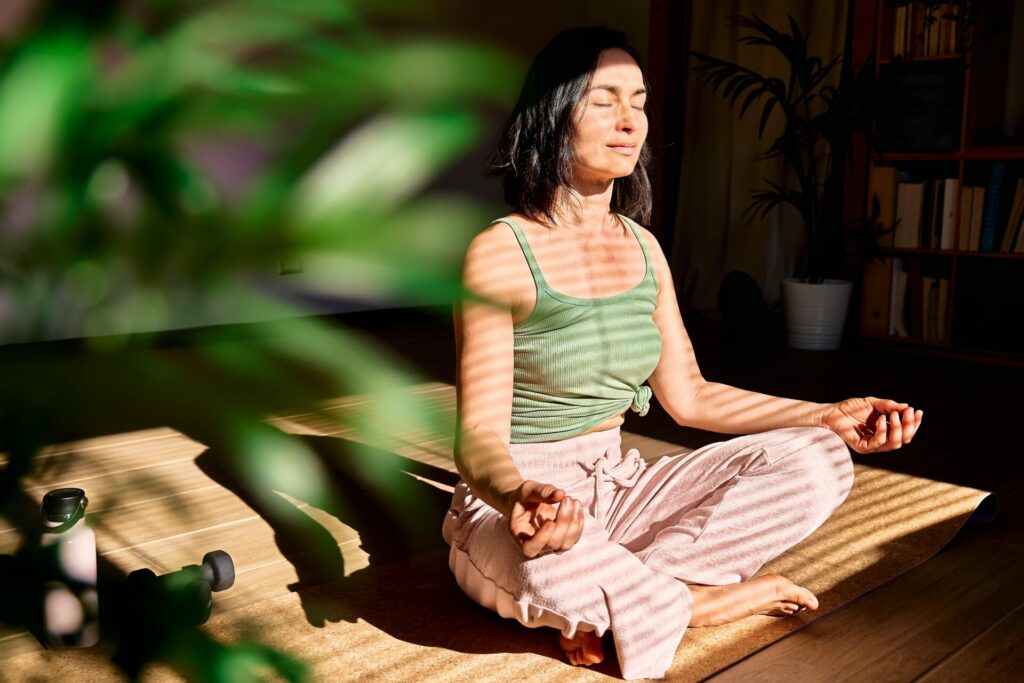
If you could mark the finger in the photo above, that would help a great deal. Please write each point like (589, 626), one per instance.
(562, 520)
(536, 543)
(909, 424)
(576, 531)
(521, 529)
(546, 493)
(895, 431)
(881, 433)
(575, 527)
(885, 405)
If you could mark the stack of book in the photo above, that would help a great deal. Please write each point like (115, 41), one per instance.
(925, 31)
(921, 212)
(992, 216)
(913, 305)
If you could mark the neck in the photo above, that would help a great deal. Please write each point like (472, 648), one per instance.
(585, 208)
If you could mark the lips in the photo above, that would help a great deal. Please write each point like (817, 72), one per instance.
(623, 149)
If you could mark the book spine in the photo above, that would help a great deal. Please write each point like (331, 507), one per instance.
(993, 198)
(1010, 231)
(943, 307)
(963, 238)
(979, 207)
(899, 32)
(950, 197)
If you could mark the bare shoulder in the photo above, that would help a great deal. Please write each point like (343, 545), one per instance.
(494, 266)
(661, 267)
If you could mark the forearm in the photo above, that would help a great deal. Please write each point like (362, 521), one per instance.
(730, 410)
(485, 464)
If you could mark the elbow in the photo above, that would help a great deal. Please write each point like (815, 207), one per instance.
(685, 411)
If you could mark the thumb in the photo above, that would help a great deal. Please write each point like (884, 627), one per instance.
(536, 492)
(885, 405)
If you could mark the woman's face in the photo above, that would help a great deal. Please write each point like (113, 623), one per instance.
(611, 122)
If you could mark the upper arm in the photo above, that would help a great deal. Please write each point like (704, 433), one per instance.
(484, 337)
(677, 377)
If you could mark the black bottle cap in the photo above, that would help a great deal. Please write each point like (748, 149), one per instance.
(59, 504)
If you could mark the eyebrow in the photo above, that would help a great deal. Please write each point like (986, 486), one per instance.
(615, 89)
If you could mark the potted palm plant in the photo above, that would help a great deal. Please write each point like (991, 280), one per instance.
(818, 123)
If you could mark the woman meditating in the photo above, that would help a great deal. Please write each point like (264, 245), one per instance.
(574, 310)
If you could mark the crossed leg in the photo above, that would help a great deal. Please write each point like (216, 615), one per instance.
(676, 549)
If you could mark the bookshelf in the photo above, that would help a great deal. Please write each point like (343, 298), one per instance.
(948, 171)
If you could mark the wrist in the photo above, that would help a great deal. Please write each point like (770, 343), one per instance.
(822, 415)
(507, 499)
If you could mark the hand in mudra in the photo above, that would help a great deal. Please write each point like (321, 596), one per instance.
(544, 519)
(872, 425)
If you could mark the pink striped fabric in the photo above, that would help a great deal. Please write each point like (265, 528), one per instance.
(712, 517)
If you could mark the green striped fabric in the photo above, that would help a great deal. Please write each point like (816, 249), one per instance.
(580, 361)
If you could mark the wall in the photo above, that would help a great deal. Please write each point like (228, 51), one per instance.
(522, 28)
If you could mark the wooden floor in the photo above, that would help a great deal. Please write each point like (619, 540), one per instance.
(958, 617)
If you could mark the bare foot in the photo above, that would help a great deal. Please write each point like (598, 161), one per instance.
(770, 594)
(583, 649)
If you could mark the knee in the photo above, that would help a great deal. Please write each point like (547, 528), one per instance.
(824, 467)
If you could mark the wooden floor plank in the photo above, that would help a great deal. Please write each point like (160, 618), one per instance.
(120, 489)
(996, 655)
(903, 628)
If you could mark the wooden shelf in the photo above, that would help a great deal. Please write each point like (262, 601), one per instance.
(971, 154)
(896, 251)
(983, 304)
(984, 153)
(936, 58)
(915, 341)
(890, 157)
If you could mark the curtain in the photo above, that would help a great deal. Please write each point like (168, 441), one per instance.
(720, 165)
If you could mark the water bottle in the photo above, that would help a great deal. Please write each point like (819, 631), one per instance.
(70, 601)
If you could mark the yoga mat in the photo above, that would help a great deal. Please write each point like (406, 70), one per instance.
(403, 618)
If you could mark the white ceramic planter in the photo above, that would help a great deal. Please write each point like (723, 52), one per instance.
(815, 313)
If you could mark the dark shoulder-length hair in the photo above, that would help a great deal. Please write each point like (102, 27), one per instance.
(535, 152)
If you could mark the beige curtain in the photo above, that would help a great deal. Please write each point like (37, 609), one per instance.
(720, 168)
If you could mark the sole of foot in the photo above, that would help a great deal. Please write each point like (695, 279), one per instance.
(771, 595)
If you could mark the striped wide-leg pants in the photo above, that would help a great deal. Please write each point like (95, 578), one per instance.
(713, 516)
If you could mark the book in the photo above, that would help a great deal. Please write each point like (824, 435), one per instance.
(963, 234)
(875, 309)
(949, 28)
(993, 206)
(979, 208)
(898, 300)
(916, 29)
(943, 30)
(935, 219)
(943, 308)
(950, 196)
(915, 298)
(882, 186)
(909, 202)
(931, 31)
(1013, 223)
(899, 32)
(924, 239)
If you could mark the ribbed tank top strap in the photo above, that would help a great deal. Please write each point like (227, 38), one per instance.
(643, 246)
(538, 278)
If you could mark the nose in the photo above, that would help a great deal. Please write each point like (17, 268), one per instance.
(629, 118)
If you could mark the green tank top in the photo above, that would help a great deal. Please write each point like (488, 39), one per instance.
(581, 361)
